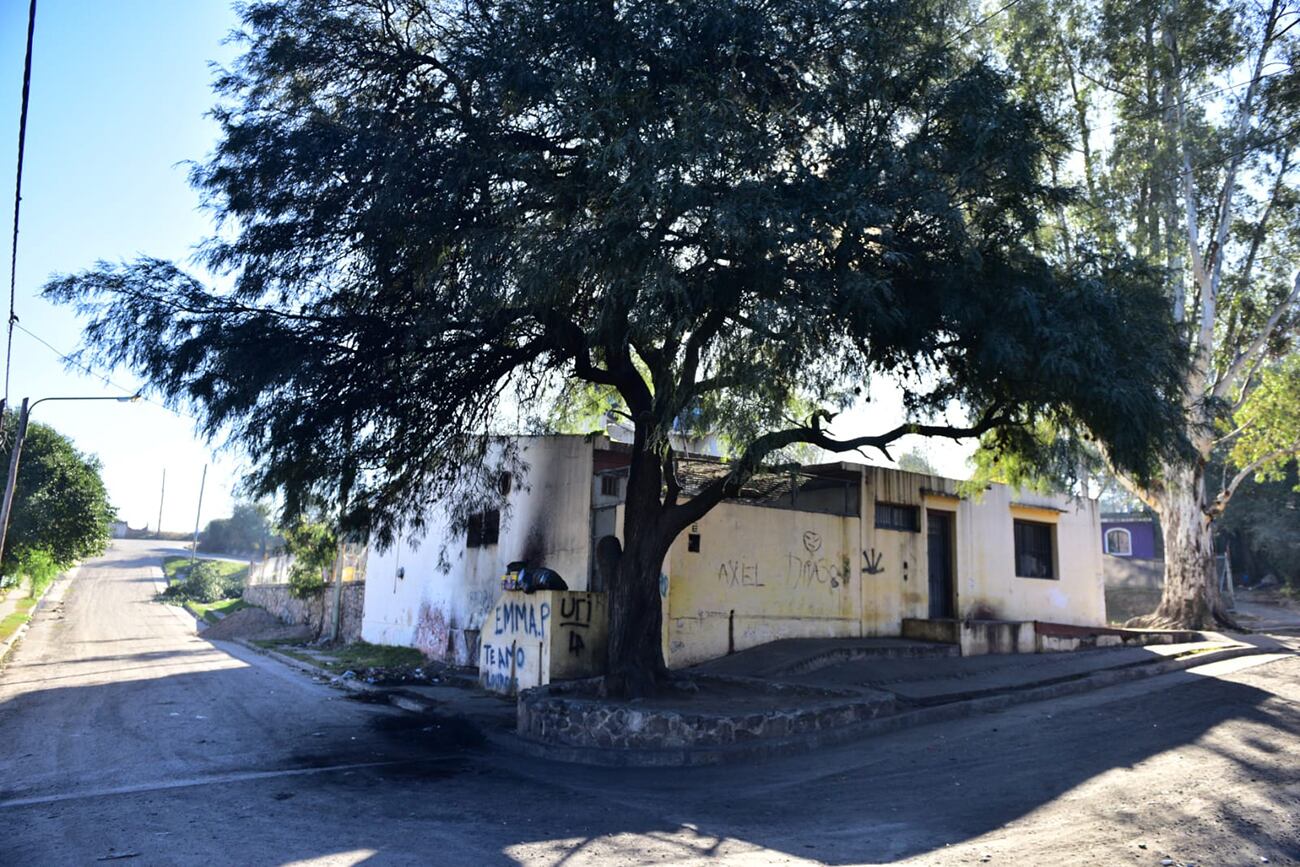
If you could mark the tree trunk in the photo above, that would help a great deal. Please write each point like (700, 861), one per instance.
(636, 659)
(1191, 597)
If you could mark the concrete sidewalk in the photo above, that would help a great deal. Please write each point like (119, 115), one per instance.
(939, 680)
(927, 684)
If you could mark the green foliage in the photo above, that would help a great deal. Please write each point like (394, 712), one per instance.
(1177, 110)
(61, 507)
(916, 461)
(1269, 422)
(246, 531)
(313, 546)
(204, 582)
(716, 208)
(39, 568)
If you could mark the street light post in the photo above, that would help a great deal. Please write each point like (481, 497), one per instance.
(15, 454)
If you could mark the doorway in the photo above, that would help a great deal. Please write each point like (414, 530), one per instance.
(943, 589)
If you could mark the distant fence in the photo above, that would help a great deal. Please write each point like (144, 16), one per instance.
(275, 569)
(268, 587)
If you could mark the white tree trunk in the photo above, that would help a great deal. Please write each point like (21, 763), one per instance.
(1191, 597)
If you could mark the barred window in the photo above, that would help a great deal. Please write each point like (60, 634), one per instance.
(1034, 558)
(892, 516)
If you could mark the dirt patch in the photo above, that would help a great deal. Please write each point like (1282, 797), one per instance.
(254, 623)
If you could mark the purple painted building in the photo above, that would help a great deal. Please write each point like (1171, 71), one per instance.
(1131, 534)
(1134, 549)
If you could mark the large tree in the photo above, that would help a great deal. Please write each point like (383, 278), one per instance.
(1184, 117)
(715, 209)
(61, 508)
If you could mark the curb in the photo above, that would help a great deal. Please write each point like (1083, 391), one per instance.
(778, 748)
(833, 737)
(396, 696)
(8, 645)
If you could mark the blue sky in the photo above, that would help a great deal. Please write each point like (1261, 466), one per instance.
(118, 97)
(118, 101)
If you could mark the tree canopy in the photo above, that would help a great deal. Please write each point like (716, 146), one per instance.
(717, 210)
(246, 531)
(1186, 119)
(61, 512)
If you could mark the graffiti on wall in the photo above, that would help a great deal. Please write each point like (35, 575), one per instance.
(575, 616)
(527, 617)
(498, 665)
(873, 561)
(737, 573)
(809, 568)
(432, 632)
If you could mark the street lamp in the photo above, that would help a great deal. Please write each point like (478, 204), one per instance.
(12, 480)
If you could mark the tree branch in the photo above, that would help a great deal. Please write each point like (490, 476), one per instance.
(1221, 501)
(1257, 345)
(692, 510)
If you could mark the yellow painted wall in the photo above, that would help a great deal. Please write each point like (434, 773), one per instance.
(755, 578)
(986, 573)
(760, 574)
(895, 577)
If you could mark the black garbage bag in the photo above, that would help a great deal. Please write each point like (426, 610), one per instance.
(534, 578)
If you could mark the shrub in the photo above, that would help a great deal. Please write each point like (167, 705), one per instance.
(205, 583)
(39, 567)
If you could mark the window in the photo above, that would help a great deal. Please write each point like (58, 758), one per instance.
(891, 516)
(1034, 558)
(1119, 542)
(504, 484)
(483, 528)
(609, 486)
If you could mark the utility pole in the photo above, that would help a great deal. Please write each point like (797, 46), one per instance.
(161, 494)
(20, 433)
(194, 548)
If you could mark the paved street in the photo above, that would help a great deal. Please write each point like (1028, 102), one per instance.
(126, 735)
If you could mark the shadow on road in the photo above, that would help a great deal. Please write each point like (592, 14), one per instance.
(880, 800)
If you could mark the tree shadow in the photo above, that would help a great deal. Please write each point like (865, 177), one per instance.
(281, 770)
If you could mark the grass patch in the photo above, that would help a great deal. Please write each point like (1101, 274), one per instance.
(10, 624)
(177, 569)
(360, 654)
(174, 569)
(212, 612)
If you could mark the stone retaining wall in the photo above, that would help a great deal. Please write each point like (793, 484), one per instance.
(315, 611)
(570, 714)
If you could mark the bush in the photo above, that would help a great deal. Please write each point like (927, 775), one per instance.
(313, 547)
(39, 567)
(207, 582)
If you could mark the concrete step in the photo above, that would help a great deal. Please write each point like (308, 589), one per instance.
(790, 656)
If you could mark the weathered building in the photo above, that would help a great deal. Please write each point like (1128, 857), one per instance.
(837, 550)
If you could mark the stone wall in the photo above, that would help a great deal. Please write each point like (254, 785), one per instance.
(569, 713)
(315, 611)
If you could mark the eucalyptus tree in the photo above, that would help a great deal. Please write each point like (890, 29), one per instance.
(1184, 121)
(717, 210)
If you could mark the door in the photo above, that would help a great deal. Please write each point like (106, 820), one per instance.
(943, 591)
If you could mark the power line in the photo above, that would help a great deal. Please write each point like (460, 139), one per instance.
(101, 377)
(18, 194)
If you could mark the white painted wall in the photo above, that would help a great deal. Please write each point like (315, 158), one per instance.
(448, 588)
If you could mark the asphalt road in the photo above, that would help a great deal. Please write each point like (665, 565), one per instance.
(127, 737)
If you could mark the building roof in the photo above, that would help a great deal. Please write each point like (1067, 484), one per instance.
(1125, 517)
